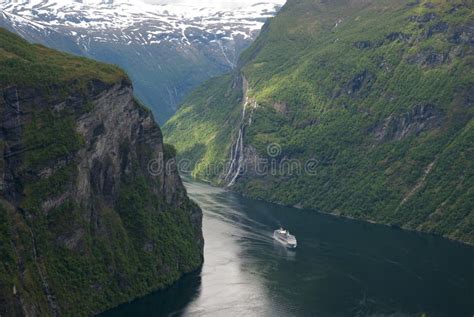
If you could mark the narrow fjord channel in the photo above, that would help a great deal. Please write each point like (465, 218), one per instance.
(340, 268)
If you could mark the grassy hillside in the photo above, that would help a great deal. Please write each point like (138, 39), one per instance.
(38, 66)
(83, 224)
(378, 93)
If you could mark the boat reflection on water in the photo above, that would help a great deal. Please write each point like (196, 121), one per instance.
(283, 252)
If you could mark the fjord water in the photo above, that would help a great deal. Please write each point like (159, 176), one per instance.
(340, 268)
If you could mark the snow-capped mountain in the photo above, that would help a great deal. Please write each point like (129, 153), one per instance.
(167, 47)
(136, 22)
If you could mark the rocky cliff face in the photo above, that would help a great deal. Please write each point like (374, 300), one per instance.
(92, 210)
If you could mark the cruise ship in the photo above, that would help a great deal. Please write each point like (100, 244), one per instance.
(284, 237)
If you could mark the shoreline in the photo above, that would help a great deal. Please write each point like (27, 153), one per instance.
(210, 183)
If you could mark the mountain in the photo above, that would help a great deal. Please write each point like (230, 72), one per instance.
(358, 108)
(92, 210)
(168, 48)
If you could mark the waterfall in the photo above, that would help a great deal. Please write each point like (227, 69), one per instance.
(238, 157)
(237, 149)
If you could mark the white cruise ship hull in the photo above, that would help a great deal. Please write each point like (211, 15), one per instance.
(283, 241)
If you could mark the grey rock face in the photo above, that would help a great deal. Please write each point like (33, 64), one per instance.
(115, 118)
(118, 141)
(428, 57)
(361, 80)
(394, 36)
(420, 118)
(363, 44)
(463, 35)
(439, 27)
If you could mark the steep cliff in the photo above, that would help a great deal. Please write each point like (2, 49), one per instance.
(360, 108)
(92, 210)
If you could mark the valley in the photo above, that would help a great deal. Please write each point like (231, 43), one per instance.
(374, 98)
(150, 149)
(167, 48)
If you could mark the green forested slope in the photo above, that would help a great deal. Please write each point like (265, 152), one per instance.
(84, 224)
(379, 93)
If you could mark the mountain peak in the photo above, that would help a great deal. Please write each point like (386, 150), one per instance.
(141, 22)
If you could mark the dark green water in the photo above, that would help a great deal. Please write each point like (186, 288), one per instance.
(340, 268)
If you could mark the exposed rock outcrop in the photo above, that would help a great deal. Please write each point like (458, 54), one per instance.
(363, 45)
(428, 57)
(420, 118)
(394, 36)
(98, 212)
(361, 80)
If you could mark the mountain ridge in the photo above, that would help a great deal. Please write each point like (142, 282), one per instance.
(377, 95)
(167, 49)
